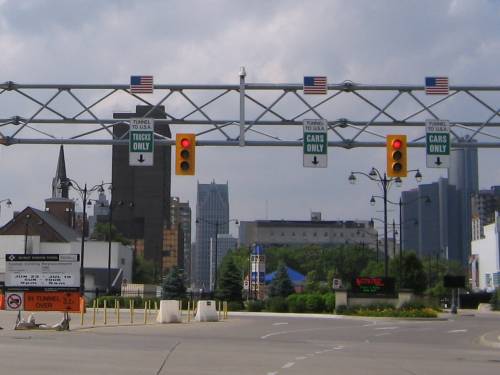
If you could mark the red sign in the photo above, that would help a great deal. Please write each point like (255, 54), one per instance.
(52, 301)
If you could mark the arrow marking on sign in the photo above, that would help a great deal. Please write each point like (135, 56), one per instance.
(315, 160)
(141, 159)
(438, 161)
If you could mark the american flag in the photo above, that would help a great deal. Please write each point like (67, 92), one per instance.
(141, 84)
(436, 86)
(315, 85)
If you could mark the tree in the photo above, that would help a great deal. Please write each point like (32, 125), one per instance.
(414, 276)
(144, 271)
(101, 233)
(229, 283)
(312, 282)
(173, 285)
(281, 286)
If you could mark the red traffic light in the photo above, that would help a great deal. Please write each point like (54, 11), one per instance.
(397, 143)
(185, 142)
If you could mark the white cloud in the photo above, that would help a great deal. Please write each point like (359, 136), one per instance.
(278, 42)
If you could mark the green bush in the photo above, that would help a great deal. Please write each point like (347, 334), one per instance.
(277, 304)
(315, 303)
(329, 299)
(255, 306)
(235, 306)
(495, 300)
(297, 303)
(385, 310)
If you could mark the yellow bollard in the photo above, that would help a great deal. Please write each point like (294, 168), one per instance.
(189, 311)
(156, 307)
(82, 312)
(145, 312)
(225, 310)
(118, 311)
(94, 308)
(105, 312)
(131, 302)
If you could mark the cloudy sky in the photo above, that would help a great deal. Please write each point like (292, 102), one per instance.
(206, 42)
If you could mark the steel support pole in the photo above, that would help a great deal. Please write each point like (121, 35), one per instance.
(110, 223)
(400, 243)
(82, 251)
(393, 238)
(216, 255)
(26, 227)
(386, 260)
(242, 106)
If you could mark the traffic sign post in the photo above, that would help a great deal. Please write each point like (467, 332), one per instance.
(141, 142)
(315, 143)
(437, 143)
(14, 301)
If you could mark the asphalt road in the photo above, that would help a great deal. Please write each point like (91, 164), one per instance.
(257, 345)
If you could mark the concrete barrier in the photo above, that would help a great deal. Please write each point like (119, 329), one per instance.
(206, 312)
(169, 312)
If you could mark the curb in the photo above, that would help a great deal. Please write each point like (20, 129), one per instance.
(330, 316)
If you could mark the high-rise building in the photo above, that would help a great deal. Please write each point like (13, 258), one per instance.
(148, 188)
(212, 218)
(463, 175)
(180, 215)
(484, 204)
(430, 220)
(173, 248)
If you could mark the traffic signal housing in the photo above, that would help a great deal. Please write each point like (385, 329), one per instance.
(185, 154)
(397, 155)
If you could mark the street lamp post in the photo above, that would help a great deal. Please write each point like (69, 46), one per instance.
(216, 224)
(400, 204)
(385, 183)
(84, 192)
(26, 227)
(7, 202)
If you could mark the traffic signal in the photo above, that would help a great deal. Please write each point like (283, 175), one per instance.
(185, 147)
(397, 156)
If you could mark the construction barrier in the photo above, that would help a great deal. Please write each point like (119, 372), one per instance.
(2, 302)
(206, 312)
(169, 312)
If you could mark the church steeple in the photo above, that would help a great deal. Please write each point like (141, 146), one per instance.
(59, 189)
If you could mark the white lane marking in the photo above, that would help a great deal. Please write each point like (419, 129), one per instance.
(310, 355)
(457, 330)
(339, 347)
(300, 358)
(381, 328)
(318, 352)
(280, 323)
(383, 334)
(272, 373)
(288, 365)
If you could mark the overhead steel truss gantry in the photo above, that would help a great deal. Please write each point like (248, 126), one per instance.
(248, 114)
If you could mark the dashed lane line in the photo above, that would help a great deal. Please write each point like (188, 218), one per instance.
(288, 365)
(383, 328)
(457, 331)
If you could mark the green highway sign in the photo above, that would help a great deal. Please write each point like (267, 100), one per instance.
(437, 143)
(315, 143)
(141, 142)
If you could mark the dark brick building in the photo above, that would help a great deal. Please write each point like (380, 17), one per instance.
(147, 187)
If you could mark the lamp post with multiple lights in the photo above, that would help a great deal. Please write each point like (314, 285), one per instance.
(385, 183)
(84, 193)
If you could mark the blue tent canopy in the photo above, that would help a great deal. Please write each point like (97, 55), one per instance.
(295, 277)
